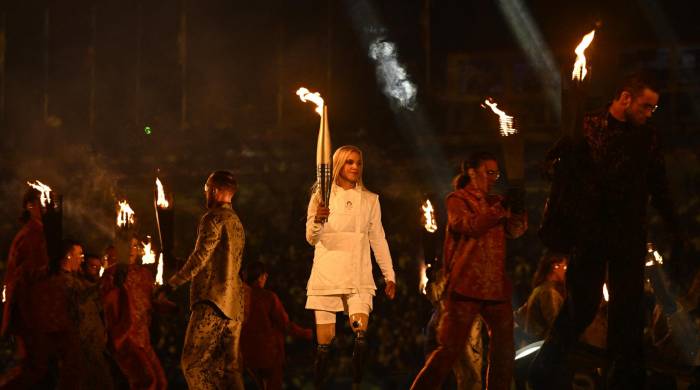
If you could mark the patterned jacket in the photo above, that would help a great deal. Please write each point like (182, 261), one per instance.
(214, 265)
(475, 246)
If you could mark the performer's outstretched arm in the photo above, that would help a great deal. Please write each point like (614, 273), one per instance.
(209, 235)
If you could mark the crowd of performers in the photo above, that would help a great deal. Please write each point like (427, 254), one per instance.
(594, 226)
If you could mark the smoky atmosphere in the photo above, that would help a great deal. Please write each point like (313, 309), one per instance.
(360, 194)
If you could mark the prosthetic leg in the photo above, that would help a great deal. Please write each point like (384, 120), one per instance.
(321, 364)
(358, 357)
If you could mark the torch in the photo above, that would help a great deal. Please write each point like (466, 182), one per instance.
(323, 146)
(429, 241)
(574, 97)
(124, 231)
(52, 218)
(513, 147)
(165, 217)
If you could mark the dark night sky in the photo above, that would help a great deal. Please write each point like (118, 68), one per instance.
(240, 55)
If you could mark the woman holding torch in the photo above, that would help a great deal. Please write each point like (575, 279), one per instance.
(342, 233)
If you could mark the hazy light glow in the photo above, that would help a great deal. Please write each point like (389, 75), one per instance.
(392, 74)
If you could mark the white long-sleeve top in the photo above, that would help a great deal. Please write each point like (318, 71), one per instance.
(342, 261)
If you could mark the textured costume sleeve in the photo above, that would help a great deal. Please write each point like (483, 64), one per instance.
(461, 219)
(516, 225)
(313, 229)
(377, 241)
(659, 189)
(209, 235)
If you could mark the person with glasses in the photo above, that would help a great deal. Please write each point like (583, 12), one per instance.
(607, 175)
(478, 224)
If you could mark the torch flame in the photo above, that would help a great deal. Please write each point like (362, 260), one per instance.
(125, 215)
(102, 271)
(44, 189)
(159, 273)
(161, 201)
(606, 296)
(504, 120)
(580, 71)
(429, 215)
(3, 293)
(423, 277)
(655, 257)
(314, 97)
(149, 256)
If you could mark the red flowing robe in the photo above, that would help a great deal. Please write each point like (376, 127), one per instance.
(127, 312)
(27, 264)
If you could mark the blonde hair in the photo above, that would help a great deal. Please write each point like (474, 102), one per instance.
(339, 157)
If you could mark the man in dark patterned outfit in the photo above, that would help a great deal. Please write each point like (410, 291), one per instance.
(618, 167)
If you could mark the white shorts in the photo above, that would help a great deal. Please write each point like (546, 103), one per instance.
(325, 306)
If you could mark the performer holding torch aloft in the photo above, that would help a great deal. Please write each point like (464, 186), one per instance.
(343, 227)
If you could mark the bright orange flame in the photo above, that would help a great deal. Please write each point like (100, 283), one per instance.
(161, 201)
(605, 292)
(149, 256)
(3, 292)
(125, 215)
(505, 121)
(429, 216)
(580, 71)
(314, 97)
(102, 271)
(159, 273)
(44, 189)
(423, 277)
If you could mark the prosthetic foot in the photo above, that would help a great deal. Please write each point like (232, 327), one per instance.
(358, 357)
(321, 364)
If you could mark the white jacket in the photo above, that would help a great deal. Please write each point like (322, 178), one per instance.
(342, 262)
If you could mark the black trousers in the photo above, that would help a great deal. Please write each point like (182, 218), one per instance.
(620, 254)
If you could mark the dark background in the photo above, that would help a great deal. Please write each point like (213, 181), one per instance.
(80, 81)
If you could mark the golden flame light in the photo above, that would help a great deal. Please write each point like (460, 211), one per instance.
(314, 97)
(3, 293)
(102, 271)
(125, 215)
(655, 257)
(161, 201)
(44, 189)
(505, 121)
(423, 282)
(159, 273)
(580, 71)
(149, 256)
(429, 216)
(606, 296)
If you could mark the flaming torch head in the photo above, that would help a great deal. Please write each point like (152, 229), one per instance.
(505, 121)
(423, 283)
(314, 97)
(580, 71)
(125, 215)
(159, 273)
(149, 256)
(161, 201)
(429, 216)
(45, 191)
(606, 296)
